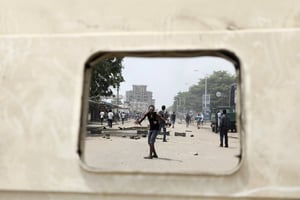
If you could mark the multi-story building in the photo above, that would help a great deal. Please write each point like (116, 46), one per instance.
(139, 98)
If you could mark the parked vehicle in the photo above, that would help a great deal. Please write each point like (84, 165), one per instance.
(230, 112)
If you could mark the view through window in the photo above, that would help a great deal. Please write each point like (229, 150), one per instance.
(195, 91)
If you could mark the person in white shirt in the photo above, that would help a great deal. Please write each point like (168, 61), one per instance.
(123, 115)
(162, 123)
(101, 117)
(219, 118)
(110, 116)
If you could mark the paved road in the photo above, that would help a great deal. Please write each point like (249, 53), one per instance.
(198, 152)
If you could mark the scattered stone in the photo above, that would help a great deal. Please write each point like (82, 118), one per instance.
(196, 154)
(142, 132)
(123, 136)
(192, 135)
(131, 137)
(180, 134)
(93, 130)
(107, 134)
(144, 135)
(167, 133)
(188, 131)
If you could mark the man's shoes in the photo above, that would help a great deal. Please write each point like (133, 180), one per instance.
(221, 145)
(148, 157)
(155, 156)
(226, 146)
(164, 140)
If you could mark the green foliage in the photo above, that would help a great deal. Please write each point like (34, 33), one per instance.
(106, 74)
(219, 81)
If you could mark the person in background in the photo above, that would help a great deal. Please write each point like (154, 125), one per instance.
(219, 114)
(173, 119)
(110, 116)
(187, 119)
(123, 115)
(101, 116)
(162, 123)
(224, 127)
(198, 120)
(202, 118)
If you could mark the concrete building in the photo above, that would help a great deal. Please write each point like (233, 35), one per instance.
(139, 98)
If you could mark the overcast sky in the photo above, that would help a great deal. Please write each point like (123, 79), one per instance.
(165, 77)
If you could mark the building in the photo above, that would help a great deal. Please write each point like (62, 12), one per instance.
(139, 98)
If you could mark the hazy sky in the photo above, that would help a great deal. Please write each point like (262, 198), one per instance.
(165, 77)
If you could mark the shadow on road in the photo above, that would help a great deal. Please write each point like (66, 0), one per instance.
(168, 159)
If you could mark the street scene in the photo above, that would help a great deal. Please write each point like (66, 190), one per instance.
(134, 101)
(192, 151)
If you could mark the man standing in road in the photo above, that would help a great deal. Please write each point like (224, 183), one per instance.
(173, 119)
(110, 116)
(101, 116)
(154, 119)
(224, 127)
(162, 123)
(187, 119)
(123, 115)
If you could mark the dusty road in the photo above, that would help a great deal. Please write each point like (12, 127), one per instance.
(198, 152)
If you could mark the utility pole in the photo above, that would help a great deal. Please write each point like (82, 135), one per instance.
(205, 95)
(118, 88)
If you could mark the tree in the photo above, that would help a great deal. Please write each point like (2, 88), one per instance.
(106, 74)
(219, 81)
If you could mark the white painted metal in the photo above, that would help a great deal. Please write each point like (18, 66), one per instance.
(43, 49)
